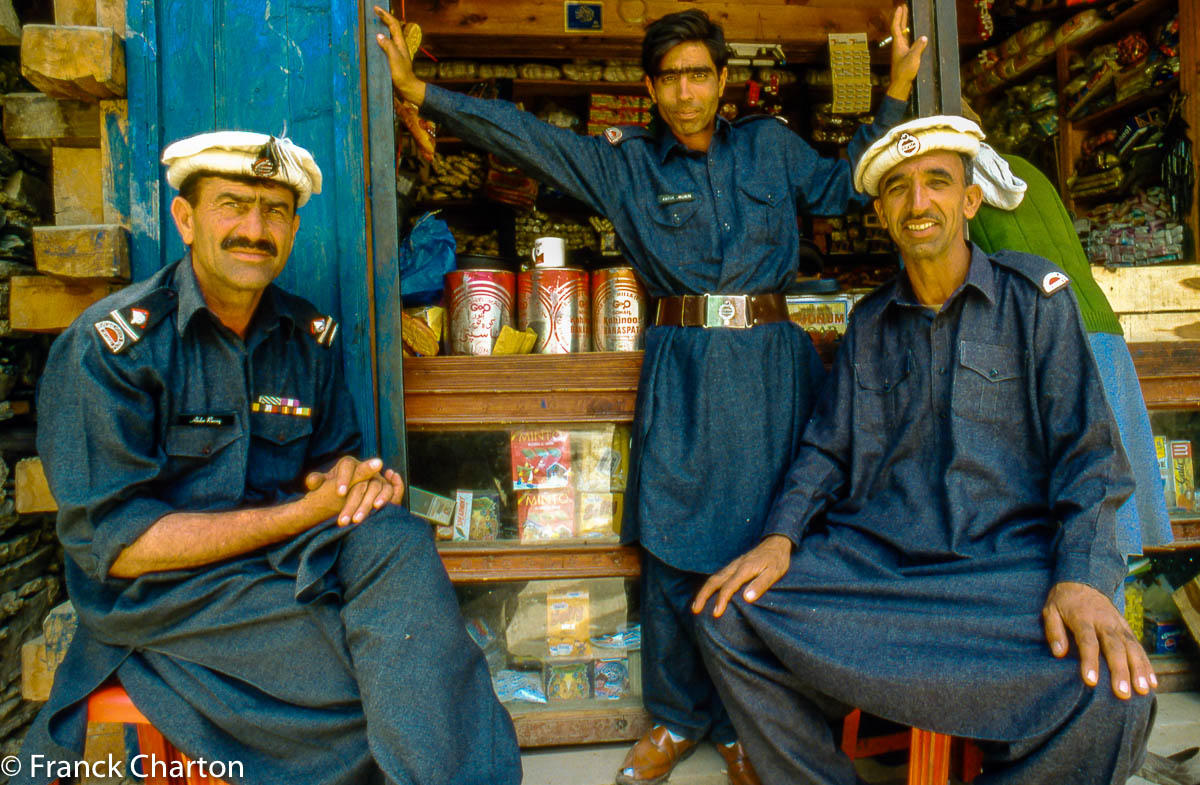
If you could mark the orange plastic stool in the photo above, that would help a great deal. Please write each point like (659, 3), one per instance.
(928, 756)
(112, 704)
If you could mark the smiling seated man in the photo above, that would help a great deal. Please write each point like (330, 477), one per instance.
(253, 586)
(947, 530)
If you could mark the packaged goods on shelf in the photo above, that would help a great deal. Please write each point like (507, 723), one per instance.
(513, 686)
(739, 74)
(1163, 636)
(454, 176)
(823, 316)
(541, 458)
(583, 71)
(1183, 474)
(430, 506)
(476, 515)
(476, 243)
(1165, 469)
(539, 71)
(497, 71)
(421, 329)
(507, 184)
(610, 678)
(533, 224)
(1025, 51)
(599, 513)
(603, 458)
(623, 70)
(546, 515)
(567, 681)
(555, 115)
(1134, 232)
(425, 70)
(568, 623)
(458, 69)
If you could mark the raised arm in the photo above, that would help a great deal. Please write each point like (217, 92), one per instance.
(579, 165)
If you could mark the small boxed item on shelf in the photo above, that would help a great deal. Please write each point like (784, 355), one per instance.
(610, 678)
(599, 513)
(568, 619)
(476, 515)
(540, 459)
(546, 515)
(1183, 474)
(1165, 470)
(567, 679)
(823, 316)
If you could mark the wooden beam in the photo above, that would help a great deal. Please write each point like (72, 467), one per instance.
(98, 252)
(111, 13)
(1150, 289)
(75, 12)
(78, 186)
(10, 25)
(32, 492)
(35, 122)
(39, 303)
(514, 29)
(37, 670)
(79, 63)
(114, 161)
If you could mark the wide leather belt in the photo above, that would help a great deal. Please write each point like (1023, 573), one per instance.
(721, 310)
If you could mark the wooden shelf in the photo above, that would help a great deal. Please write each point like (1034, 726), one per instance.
(474, 562)
(579, 722)
(448, 392)
(1168, 373)
(1131, 19)
(1126, 108)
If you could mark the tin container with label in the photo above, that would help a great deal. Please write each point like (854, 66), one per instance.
(619, 310)
(554, 302)
(549, 252)
(481, 303)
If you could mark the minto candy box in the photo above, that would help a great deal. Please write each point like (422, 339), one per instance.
(540, 458)
(546, 515)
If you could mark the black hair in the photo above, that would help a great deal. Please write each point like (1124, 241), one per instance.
(674, 29)
(968, 169)
(190, 187)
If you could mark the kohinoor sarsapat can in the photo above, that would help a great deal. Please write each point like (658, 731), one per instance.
(554, 302)
(481, 302)
(619, 310)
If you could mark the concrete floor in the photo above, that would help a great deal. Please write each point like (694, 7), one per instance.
(1177, 727)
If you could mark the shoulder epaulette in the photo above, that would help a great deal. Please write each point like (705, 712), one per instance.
(1043, 273)
(123, 327)
(324, 330)
(618, 134)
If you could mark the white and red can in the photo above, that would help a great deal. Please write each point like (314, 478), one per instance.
(554, 302)
(481, 302)
(619, 310)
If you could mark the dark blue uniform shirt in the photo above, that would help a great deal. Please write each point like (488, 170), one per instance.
(719, 411)
(150, 406)
(977, 432)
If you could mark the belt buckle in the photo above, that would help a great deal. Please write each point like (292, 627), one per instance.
(726, 310)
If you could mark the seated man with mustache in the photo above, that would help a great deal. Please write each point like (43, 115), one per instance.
(254, 587)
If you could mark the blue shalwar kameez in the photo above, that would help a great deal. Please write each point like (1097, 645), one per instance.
(336, 657)
(958, 465)
(719, 411)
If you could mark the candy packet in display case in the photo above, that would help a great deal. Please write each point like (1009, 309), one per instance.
(568, 681)
(541, 458)
(568, 619)
(610, 678)
(524, 686)
(546, 515)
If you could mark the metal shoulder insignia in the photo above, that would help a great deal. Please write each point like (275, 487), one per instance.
(1053, 281)
(324, 330)
(123, 327)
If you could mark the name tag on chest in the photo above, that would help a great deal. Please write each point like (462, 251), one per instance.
(206, 420)
(676, 198)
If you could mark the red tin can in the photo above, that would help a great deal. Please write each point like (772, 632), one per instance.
(481, 302)
(619, 310)
(554, 302)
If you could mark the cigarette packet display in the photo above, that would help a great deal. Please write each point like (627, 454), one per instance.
(476, 515)
(546, 515)
(540, 459)
(1183, 473)
(602, 457)
(430, 506)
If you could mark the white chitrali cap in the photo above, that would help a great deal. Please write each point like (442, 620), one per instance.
(244, 154)
(916, 137)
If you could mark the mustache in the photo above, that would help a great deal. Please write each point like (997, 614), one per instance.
(235, 242)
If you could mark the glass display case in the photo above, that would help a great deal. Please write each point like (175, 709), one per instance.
(520, 463)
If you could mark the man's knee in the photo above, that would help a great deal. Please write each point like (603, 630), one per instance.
(722, 635)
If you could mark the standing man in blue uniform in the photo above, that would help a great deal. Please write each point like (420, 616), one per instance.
(252, 585)
(948, 530)
(706, 211)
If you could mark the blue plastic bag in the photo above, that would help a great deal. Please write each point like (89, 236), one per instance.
(426, 255)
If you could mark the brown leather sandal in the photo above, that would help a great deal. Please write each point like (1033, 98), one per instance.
(737, 764)
(653, 758)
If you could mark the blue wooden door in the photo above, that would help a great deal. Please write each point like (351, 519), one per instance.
(272, 66)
